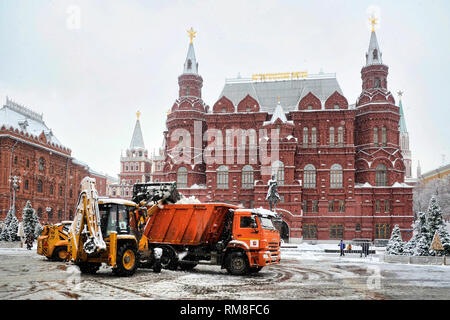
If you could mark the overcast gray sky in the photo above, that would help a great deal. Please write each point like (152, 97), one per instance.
(89, 75)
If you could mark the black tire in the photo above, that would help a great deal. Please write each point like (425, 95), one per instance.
(187, 265)
(88, 267)
(127, 260)
(169, 258)
(237, 263)
(58, 253)
(157, 266)
(255, 269)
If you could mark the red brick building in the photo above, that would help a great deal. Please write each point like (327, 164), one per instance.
(339, 167)
(49, 176)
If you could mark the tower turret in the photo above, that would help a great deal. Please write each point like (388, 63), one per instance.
(377, 138)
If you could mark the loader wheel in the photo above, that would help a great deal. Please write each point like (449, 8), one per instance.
(60, 254)
(237, 263)
(169, 259)
(127, 260)
(89, 268)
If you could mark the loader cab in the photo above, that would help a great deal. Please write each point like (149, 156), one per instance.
(115, 216)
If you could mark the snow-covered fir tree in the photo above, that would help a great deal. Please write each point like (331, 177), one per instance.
(423, 239)
(408, 248)
(395, 244)
(437, 224)
(29, 219)
(11, 226)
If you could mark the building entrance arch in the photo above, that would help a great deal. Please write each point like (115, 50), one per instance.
(282, 226)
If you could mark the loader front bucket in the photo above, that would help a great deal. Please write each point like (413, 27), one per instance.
(155, 191)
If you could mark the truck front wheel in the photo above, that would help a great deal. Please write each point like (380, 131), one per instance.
(237, 263)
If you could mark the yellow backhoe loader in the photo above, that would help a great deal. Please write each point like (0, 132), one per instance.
(110, 231)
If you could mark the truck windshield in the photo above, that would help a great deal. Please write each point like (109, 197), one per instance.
(266, 223)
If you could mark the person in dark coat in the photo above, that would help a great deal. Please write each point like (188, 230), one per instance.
(342, 247)
(29, 240)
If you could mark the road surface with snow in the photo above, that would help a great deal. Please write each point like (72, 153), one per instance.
(306, 272)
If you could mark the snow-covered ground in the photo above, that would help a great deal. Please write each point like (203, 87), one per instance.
(306, 272)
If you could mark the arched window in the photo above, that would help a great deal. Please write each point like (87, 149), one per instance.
(189, 64)
(381, 175)
(377, 83)
(60, 215)
(247, 177)
(336, 176)
(383, 136)
(305, 137)
(40, 186)
(375, 136)
(222, 177)
(331, 136)
(313, 137)
(39, 213)
(340, 136)
(309, 177)
(278, 172)
(41, 164)
(182, 177)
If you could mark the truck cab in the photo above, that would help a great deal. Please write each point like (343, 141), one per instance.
(255, 235)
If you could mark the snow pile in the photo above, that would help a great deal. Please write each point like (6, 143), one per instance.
(186, 200)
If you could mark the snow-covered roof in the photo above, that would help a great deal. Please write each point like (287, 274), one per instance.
(277, 114)
(137, 141)
(290, 91)
(116, 201)
(26, 120)
(374, 55)
(190, 65)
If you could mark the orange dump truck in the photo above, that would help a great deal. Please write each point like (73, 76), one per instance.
(239, 240)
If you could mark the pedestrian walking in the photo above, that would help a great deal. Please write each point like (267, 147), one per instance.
(367, 248)
(29, 241)
(342, 247)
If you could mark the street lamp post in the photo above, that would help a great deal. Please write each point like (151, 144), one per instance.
(15, 181)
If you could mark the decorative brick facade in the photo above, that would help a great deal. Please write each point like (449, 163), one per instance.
(339, 167)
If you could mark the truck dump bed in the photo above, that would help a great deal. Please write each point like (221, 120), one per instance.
(187, 224)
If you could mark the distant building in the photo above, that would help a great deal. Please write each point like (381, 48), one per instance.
(135, 166)
(49, 176)
(437, 173)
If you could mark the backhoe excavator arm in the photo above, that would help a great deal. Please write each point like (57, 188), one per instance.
(85, 235)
